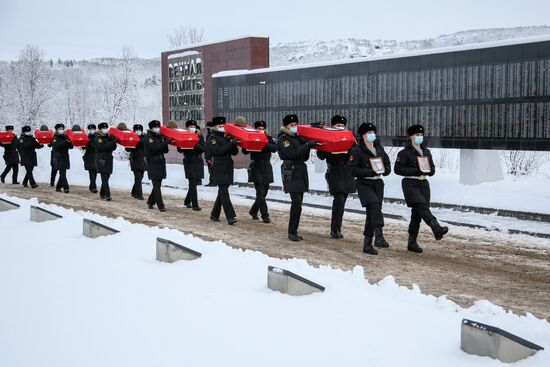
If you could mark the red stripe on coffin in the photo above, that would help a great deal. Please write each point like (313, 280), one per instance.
(330, 139)
(183, 138)
(6, 137)
(127, 138)
(43, 137)
(78, 139)
(248, 137)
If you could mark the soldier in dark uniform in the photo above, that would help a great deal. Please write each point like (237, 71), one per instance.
(294, 152)
(260, 172)
(89, 158)
(27, 151)
(156, 146)
(104, 146)
(207, 154)
(340, 180)
(53, 170)
(416, 188)
(137, 162)
(193, 165)
(60, 156)
(370, 186)
(11, 158)
(222, 147)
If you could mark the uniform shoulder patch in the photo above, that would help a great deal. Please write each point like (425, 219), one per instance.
(398, 159)
(151, 140)
(20, 140)
(213, 141)
(286, 143)
(100, 140)
(351, 157)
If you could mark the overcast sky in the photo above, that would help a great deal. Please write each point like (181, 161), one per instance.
(86, 29)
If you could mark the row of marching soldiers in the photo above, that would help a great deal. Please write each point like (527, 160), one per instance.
(359, 170)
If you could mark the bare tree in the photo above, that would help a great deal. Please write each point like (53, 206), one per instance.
(120, 89)
(187, 35)
(521, 162)
(31, 83)
(5, 99)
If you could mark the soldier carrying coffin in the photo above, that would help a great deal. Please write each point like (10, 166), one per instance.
(60, 156)
(11, 158)
(156, 146)
(137, 162)
(27, 151)
(193, 164)
(89, 158)
(104, 146)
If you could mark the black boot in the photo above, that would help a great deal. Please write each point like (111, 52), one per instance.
(294, 237)
(413, 245)
(367, 246)
(379, 240)
(253, 215)
(438, 231)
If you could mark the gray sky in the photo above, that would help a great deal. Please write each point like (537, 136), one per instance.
(95, 28)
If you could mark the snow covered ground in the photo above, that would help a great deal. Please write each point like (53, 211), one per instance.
(68, 300)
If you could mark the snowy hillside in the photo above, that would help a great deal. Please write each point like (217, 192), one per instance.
(105, 302)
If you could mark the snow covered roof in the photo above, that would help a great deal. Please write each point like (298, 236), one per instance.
(476, 46)
(186, 47)
(182, 54)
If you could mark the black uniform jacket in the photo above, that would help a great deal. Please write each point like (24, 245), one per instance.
(222, 147)
(415, 191)
(260, 170)
(27, 150)
(294, 152)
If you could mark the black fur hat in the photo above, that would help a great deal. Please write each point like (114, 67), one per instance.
(218, 120)
(103, 125)
(289, 119)
(258, 124)
(59, 126)
(337, 119)
(209, 124)
(191, 122)
(154, 123)
(415, 129)
(26, 129)
(9, 127)
(138, 127)
(364, 128)
(91, 126)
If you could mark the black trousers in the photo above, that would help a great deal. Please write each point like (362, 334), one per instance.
(52, 177)
(105, 190)
(156, 196)
(93, 176)
(223, 200)
(15, 169)
(192, 195)
(338, 204)
(62, 182)
(419, 212)
(260, 203)
(295, 212)
(374, 219)
(137, 190)
(29, 178)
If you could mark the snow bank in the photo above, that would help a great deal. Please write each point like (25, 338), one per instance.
(68, 300)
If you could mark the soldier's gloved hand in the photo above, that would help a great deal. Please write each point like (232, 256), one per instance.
(312, 143)
(234, 141)
(169, 140)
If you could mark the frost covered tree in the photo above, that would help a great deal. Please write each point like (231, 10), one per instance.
(120, 95)
(185, 36)
(521, 162)
(30, 81)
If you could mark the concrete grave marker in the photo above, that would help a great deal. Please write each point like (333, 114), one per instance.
(6, 205)
(41, 215)
(94, 229)
(287, 282)
(169, 252)
(486, 340)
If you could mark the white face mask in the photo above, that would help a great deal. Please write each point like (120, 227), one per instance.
(60, 132)
(294, 129)
(138, 132)
(156, 130)
(104, 131)
(192, 129)
(221, 129)
(28, 133)
(92, 131)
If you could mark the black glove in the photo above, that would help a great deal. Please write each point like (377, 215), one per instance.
(234, 141)
(169, 140)
(312, 143)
